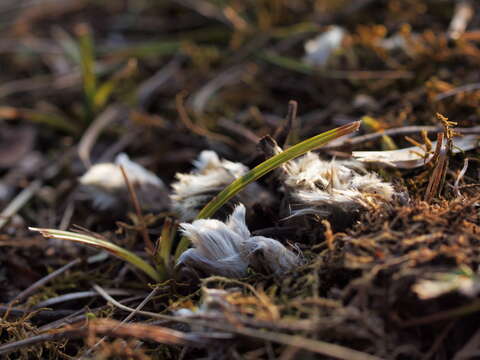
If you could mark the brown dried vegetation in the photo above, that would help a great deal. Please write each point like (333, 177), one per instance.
(82, 81)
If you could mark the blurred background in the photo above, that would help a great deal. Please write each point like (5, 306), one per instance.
(84, 80)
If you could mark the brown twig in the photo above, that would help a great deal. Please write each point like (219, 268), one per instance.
(38, 284)
(281, 135)
(45, 315)
(133, 196)
(440, 159)
(185, 119)
(444, 315)
(111, 328)
(129, 316)
(439, 340)
(395, 132)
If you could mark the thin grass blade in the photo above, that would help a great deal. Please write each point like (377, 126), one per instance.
(116, 250)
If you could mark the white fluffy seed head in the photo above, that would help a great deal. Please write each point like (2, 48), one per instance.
(106, 185)
(105, 176)
(216, 247)
(319, 187)
(227, 249)
(211, 175)
(319, 49)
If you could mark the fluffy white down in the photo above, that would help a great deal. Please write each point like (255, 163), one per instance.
(108, 176)
(317, 186)
(227, 249)
(105, 182)
(193, 190)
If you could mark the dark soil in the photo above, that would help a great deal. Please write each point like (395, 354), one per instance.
(182, 76)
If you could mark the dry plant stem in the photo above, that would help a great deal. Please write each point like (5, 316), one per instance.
(111, 328)
(264, 168)
(315, 346)
(19, 201)
(357, 140)
(444, 315)
(94, 130)
(79, 295)
(38, 284)
(26, 194)
(457, 90)
(38, 339)
(80, 315)
(467, 351)
(44, 315)
(238, 129)
(282, 133)
(438, 341)
(136, 204)
(185, 119)
(329, 238)
(459, 177)
(130, 316)
(439, 159)
(67, 214)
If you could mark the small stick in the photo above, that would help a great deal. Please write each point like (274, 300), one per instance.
(129, 316)
(395, 132)
(457, 90)
(78, 295)
(141, 219)
(26, 194)
(190, 125)
(45, 315)
(440, 158)
(38, 284)
(329, 238)
(19, 201)
(282, 132)
(67, 215)
(459, 177)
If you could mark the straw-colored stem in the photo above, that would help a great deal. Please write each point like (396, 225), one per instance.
(104, 245)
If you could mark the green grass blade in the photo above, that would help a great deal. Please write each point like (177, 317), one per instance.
(145, 49)
(287, 62)
(166, 240)
(264, 168)
(116, 250)
(54, 120)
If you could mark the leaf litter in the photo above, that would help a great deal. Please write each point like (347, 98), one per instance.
(351, 251)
